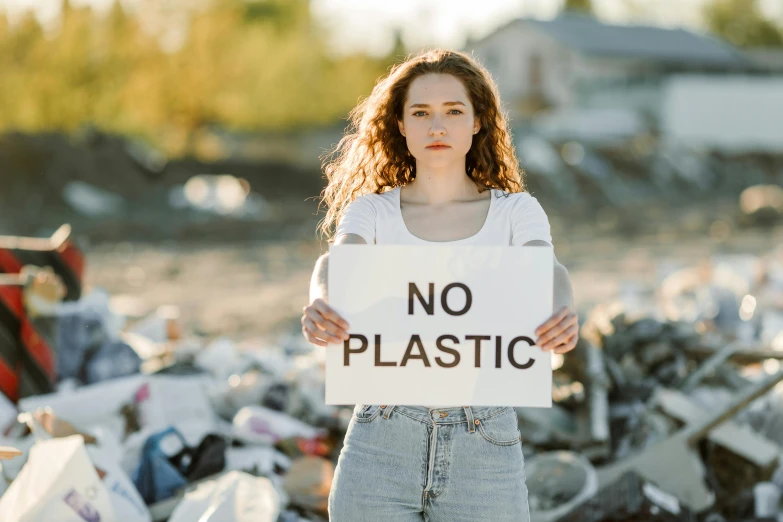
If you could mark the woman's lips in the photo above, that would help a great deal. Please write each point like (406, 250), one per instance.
(438, 147)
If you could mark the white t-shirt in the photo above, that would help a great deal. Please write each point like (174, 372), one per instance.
(513, 219)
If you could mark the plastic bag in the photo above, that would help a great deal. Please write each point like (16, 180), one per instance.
(179, 401)
(251, 388)
(257, 460)
(157, 478)
(96, 405)
(104, 451)
(124, 496)
(208, 458)
(233, 497)
(59, 482)
(110, 360)
(259, 425)
(168, 463)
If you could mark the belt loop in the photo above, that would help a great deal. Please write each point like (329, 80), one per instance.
(387, 411)
(469, 415)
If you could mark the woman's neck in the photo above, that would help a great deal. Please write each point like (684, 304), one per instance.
(434, 187)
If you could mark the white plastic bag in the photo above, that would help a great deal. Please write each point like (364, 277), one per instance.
(258, 460)
(232, 497)
(259, 425)
(221, 358)
(59, 482)
(179, 401)
(125, 498)
(90, 406)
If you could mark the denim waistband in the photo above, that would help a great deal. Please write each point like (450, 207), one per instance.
(450, 415)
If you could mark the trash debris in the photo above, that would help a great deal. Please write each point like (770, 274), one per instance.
(308, 482)
(766, 496)
(668, 409)
(232, 497)
(631, 498)
(259, 425)
(761, 205)
(677, 452)
(557, 482)
(125, 498)
(7, 453)
(92, 201)
(222, 194)
(157, 478)
(59, 482)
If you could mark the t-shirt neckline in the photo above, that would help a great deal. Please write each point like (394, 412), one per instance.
(398, 208)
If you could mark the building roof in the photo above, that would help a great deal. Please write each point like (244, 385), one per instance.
(587, 35)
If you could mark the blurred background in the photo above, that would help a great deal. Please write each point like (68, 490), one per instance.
(181, 139)
(182, 142)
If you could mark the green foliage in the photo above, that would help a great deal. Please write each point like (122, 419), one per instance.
(244, 65)
(742, 23)
(579, 6)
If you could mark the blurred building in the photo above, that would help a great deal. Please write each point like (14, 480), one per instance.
(576, 78)
(575, 60)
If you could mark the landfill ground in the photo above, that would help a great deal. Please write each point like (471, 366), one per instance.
(654, 418)
(257, 289)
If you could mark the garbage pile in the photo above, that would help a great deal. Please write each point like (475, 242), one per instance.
(622, 173)
(662, 413)
(111, 417)
(239, 434)
(675, 416)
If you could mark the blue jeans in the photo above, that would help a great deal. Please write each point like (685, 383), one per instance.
(413, 463)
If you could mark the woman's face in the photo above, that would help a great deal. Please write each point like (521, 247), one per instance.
(438, 110)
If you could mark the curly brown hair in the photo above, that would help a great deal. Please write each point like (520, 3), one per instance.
(373, 155)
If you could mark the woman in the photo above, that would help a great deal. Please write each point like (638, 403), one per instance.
(429, 159)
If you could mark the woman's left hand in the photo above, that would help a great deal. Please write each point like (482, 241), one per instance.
(559, 333)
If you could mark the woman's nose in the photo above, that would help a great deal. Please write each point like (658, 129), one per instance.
(437, 127)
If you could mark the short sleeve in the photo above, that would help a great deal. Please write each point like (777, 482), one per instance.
(358, 218)
(529, 221)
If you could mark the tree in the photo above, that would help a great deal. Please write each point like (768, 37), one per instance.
(244, 65)
(742, 23)
(578, 6)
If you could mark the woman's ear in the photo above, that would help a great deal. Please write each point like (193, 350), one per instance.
(402, 129)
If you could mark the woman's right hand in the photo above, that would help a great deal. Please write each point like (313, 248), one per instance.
(321, 325)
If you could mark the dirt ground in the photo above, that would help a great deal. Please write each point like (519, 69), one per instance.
(255, 289)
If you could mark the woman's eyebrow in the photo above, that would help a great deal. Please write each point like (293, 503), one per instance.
(425, 106)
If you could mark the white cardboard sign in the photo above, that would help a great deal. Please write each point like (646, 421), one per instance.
(440, 325)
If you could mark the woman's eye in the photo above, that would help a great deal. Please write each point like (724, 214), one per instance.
(452, 110)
